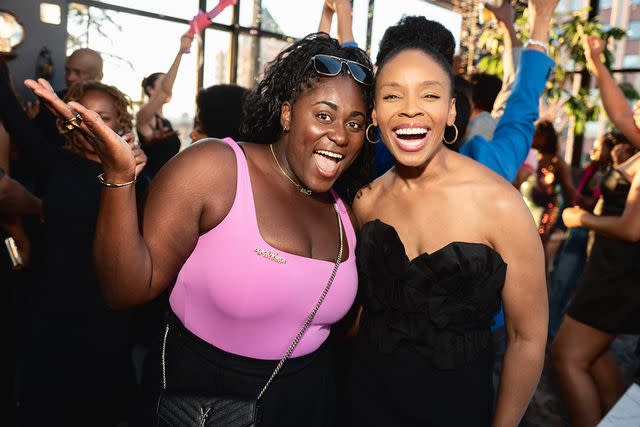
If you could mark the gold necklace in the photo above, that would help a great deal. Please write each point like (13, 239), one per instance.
(300, 188)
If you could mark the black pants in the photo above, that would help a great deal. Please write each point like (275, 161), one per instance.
(302, 394)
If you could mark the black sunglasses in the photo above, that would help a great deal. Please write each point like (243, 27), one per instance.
(328, 65)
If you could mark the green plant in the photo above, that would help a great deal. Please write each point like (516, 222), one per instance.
(569, 55)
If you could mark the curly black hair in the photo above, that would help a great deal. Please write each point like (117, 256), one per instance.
(418, 32)
(291, 74)
(220, 110)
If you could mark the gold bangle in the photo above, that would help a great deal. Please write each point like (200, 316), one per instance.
(112, 185)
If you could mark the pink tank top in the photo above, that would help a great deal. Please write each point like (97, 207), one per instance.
(245, 303)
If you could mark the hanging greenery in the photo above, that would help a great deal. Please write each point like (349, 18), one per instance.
(568, 53)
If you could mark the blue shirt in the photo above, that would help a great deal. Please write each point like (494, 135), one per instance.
(512, 139)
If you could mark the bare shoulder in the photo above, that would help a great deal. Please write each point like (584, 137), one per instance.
(491, 192)
(205, 161)
(204, 171)
(366, 199)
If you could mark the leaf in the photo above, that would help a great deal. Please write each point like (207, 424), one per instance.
(629, 91)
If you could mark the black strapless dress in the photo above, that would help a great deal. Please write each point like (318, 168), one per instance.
(423, 356)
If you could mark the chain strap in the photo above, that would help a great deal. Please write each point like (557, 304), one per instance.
(311, 315)
(303, 328)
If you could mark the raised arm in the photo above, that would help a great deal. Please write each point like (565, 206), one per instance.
(343, 9)
(513, 136)
(624, 227)
(146, 115)
(134, 267)
(525, 306)
(613, 99)
(326, 17)
(505, 14)
(345, 17)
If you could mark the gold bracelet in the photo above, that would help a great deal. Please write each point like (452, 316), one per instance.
(112, 185)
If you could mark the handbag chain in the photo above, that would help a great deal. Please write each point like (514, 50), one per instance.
(302, 329)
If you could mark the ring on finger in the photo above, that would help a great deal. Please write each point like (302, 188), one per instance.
(73, 122)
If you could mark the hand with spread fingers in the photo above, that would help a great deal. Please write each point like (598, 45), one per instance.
(117, 157)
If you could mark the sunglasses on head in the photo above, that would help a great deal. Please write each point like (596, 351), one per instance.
(328, 65)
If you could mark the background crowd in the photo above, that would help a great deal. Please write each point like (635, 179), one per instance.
(114, 222)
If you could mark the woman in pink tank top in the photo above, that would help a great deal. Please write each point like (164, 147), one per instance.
(247, 234)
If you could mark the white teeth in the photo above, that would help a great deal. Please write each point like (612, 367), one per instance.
(330, 154)
(411, 131)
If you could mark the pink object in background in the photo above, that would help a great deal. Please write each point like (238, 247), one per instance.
(202, 20)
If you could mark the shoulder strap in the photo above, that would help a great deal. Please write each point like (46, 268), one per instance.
(313, 313)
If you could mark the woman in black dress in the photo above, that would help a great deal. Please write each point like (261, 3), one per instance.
(443, 241)
(75, 366)
(157, 137)
(607, 301)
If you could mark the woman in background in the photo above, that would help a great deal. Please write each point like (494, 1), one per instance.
(157, 137)
(76, 352)
(607, 301)
(219, 112)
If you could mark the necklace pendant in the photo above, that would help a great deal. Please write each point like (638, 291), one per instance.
(305, 191)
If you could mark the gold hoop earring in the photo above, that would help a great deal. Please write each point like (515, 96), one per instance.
(455, 138)
(366, 134)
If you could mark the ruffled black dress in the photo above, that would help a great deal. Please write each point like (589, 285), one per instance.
(423, 356)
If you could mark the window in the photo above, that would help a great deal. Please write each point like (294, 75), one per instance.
(217, 56)
(253, 54)
(292, 18)
(631, 61)
(634, 30)
(185, 9)
(226, 17)
(387, 13)
(605, 4)
(129, 57)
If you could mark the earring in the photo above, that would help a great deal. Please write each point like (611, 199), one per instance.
(455, 138)
(366, 134)
(285, 128)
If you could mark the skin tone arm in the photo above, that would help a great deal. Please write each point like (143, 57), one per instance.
(133, 269)
(525, 306)
(344, 11)
(505, 14)
(625, 227)
(613, 99)
(540, 14)
(145, 116)
(326, 18)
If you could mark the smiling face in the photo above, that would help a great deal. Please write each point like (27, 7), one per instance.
(413, 105)
(325, 131)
